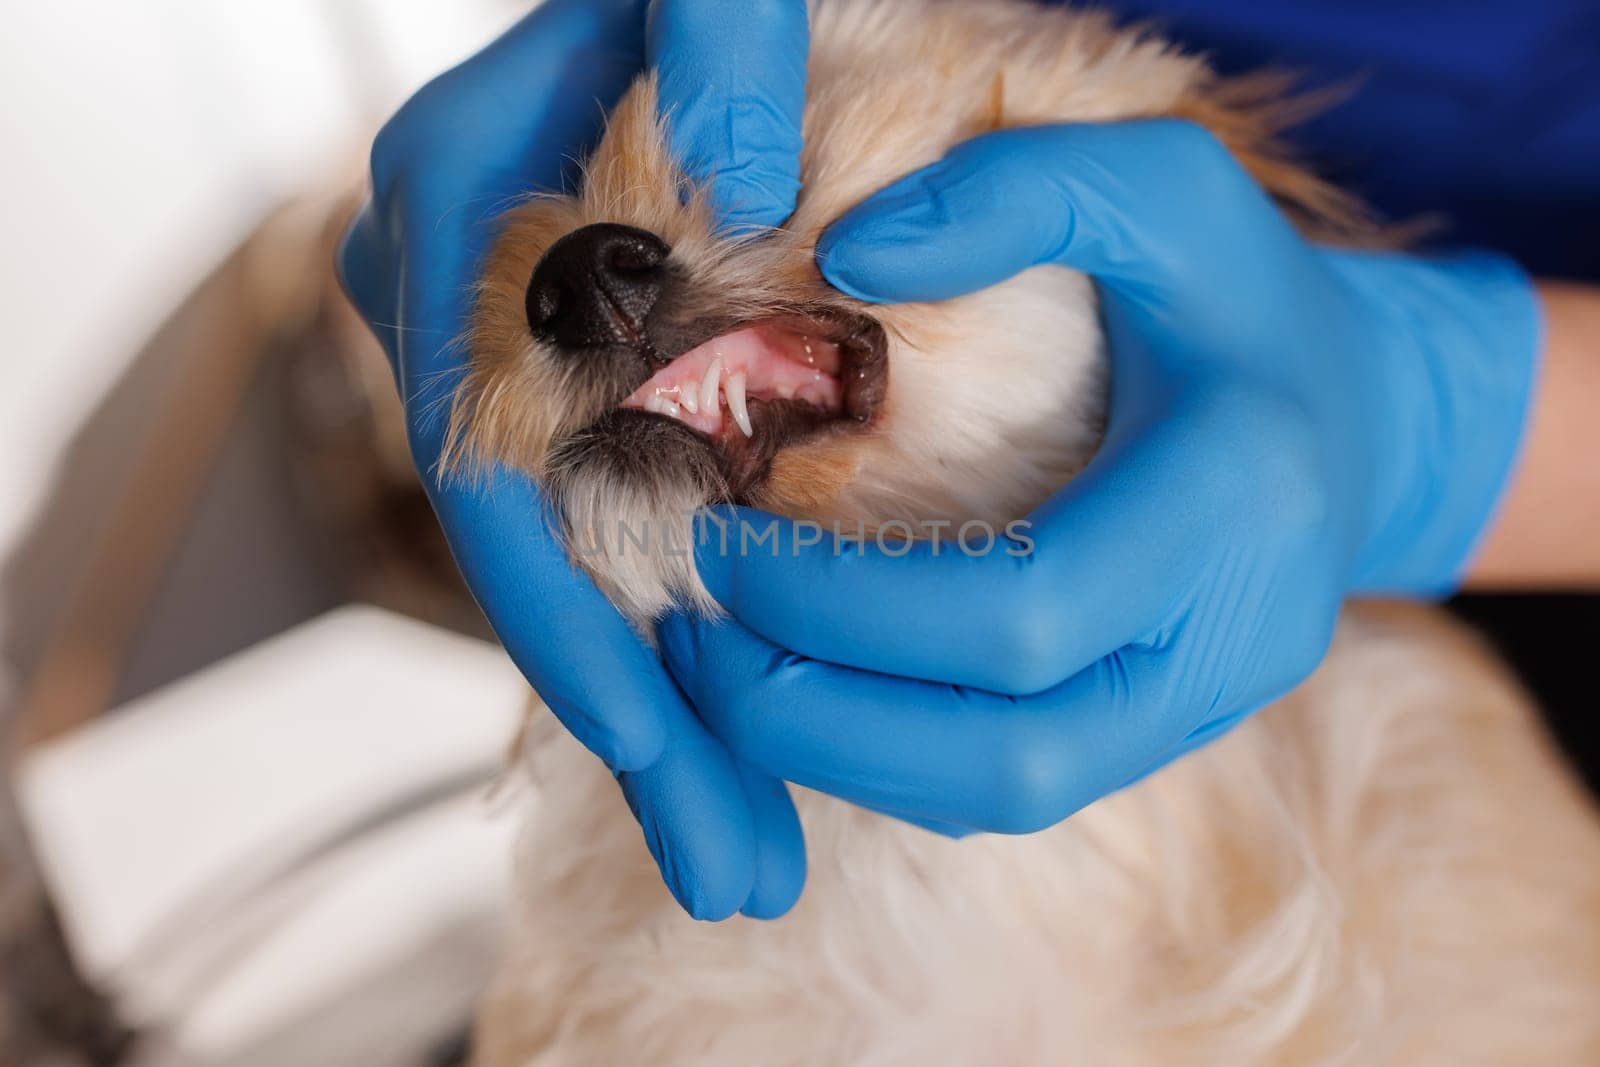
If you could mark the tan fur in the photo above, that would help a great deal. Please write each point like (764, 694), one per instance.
(807, 480)
(1247, 114)
(1388, 867)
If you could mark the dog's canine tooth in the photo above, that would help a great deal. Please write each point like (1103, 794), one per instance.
(710, 386)
(690, 402)
(736, 403)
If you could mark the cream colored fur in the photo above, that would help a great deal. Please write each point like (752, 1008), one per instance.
(1388, 867)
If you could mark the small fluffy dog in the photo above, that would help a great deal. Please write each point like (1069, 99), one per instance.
(1389, 866)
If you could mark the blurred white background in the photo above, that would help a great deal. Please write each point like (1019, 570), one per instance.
(143, 141)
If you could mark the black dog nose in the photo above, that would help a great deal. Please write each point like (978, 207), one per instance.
(595, 286)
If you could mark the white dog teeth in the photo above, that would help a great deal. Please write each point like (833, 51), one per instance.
(710, 386)
(706, 398)
(736, 403)
(662, 406)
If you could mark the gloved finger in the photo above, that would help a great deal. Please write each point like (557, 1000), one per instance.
(539, 96)
(554, 622)
(722, 841)
(944, 829)
(935, 752)
(700, 826)
(1198, 738)
(1108, 556)
(509, 118)
(501, 123)
(732, 78)
(366, 273)
(1204, 734)
(528, 98)
(780, 860)
(1132, 203)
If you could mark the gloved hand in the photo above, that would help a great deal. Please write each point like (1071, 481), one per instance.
(1289, 425)
(502, 124)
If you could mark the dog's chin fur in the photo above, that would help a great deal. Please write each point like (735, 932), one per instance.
(1388, 867)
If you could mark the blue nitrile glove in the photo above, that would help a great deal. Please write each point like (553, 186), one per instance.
(1289, 425)
(503, 123)
(732, 85)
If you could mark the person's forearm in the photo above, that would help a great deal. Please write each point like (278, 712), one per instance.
(1546, 533)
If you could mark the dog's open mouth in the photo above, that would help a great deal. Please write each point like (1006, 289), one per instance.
(767, 385)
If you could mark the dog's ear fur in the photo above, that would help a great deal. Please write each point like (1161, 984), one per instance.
(1249, 114)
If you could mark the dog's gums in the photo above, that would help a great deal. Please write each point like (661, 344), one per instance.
(757, 363)
(761, 387)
